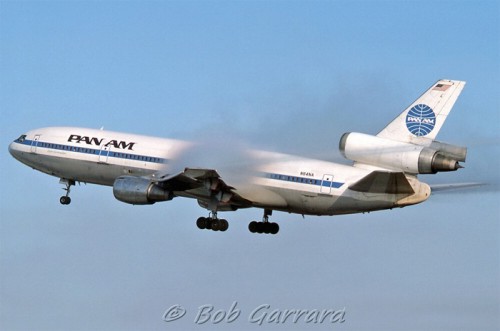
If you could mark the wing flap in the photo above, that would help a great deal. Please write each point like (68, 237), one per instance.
(203, 184)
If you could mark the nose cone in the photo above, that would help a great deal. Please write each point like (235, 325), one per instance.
(14, 151)
(11, 147)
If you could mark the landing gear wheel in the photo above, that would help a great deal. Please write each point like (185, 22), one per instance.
(208, 223)
(252, 226)
(216, 224)
(201, 223)
(274, 228)
(224, 225)
(261, 226)
(64, 200)
(212, 223)
(265, 226)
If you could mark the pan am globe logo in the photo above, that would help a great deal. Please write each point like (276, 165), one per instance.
(420, 120)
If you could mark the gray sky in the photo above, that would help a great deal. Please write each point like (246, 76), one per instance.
(289, 77)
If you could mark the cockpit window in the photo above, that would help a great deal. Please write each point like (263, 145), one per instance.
(21, 139)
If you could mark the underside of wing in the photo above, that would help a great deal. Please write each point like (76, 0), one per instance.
(206, 185)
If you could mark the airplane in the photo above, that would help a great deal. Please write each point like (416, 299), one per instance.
(144, 170)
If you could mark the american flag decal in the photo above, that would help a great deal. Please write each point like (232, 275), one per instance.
(441, 87)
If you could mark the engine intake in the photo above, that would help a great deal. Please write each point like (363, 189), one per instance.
(397, 155)
(139, 191)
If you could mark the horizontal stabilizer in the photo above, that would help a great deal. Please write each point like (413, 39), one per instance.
(455, 187)
(383, 182)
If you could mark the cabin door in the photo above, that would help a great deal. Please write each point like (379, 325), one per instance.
(326, 184)
(34, 143)
(104, 153)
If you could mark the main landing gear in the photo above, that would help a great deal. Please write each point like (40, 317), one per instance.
(215, 224)
(65, 199)
(265, 226)
(212, 223)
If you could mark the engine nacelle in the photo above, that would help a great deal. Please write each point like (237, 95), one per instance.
(397, 155)
(139, 191)
(455, 152)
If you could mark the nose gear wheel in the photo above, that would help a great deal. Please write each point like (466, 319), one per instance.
(65, 199)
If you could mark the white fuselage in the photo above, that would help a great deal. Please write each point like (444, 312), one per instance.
(269, 180)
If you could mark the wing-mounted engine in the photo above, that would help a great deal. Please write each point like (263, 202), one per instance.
(401, 156)
(139, 191)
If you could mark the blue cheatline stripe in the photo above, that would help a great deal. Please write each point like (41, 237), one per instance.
(152, 159)
(303, 180)
(92, 151)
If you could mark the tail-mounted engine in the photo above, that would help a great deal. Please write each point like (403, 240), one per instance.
(139, 191)
(396, 155)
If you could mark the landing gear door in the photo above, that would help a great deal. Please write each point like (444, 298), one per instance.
(326, 184)
(104, 153)
(34, 143)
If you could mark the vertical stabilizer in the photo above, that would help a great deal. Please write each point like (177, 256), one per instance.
(422, 120)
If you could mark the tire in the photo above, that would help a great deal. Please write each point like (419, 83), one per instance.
(64, 200)
(252, 226)
(201, 223)
(274, 228)
(208, 223)
(216, 225)
(224, 225)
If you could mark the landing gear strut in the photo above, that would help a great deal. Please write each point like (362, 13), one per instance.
(265, 226)
(65, 199)
(212, 223)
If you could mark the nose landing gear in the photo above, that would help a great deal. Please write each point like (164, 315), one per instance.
(65, 199)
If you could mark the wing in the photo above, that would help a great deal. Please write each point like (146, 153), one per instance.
(206, 185)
